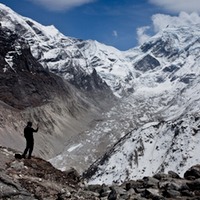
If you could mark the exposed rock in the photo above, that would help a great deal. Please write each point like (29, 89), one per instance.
(31, 179)
(147, 63)
(113, 194)
(193, 172)
(24, 82)
(35, 178)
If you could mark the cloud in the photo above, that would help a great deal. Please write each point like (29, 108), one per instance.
(141, 35)
(161, 21)
(177, 6)
(115, 33)
(59, 5)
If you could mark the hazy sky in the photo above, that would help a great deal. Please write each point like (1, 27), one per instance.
(120, 23)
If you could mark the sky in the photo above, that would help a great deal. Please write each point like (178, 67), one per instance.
(123, 24)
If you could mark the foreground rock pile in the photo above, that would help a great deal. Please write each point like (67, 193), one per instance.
(159, 187)
(35, 178)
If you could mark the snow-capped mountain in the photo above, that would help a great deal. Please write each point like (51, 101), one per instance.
(154, 129)
(53, 50)
(155, 125)
(158, 124)
(163, 112)
(71, 58)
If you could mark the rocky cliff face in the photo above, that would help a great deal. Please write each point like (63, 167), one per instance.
(24, 82)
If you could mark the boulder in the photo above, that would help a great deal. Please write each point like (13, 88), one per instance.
(193, 172)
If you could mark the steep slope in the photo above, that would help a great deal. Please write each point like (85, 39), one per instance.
(24, 82)
(28, 92)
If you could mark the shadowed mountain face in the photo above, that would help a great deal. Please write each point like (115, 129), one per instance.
(24, 82)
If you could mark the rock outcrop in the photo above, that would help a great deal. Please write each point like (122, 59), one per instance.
(24, 82)
(36, 178)
(31, 179)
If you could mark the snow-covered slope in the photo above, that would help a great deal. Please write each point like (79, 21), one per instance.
(158, 123)
(163, 111)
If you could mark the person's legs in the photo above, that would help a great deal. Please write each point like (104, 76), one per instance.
(30, 148)
(26, 149)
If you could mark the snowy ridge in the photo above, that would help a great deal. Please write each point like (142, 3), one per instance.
(164, 109)
(151, 149)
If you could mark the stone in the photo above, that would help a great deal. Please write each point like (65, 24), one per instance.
(194, 171)
(150, 182)
(171, 194)
(194, 185)
(38, 179)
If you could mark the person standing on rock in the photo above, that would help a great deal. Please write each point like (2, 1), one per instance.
(28, 134)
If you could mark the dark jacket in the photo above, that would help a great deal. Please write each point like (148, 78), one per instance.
(28, 132)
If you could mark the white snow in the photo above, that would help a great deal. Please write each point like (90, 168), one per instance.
(72, 148)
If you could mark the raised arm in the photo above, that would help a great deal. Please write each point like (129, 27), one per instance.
(35, 130)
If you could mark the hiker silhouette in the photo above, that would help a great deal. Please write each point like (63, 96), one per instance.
(28, 134)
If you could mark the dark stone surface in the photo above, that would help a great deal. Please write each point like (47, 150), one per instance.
(147, 63)
(24, 82)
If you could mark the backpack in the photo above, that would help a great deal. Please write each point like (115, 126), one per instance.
(18, 156)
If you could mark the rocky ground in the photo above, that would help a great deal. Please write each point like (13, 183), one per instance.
(35, 178)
